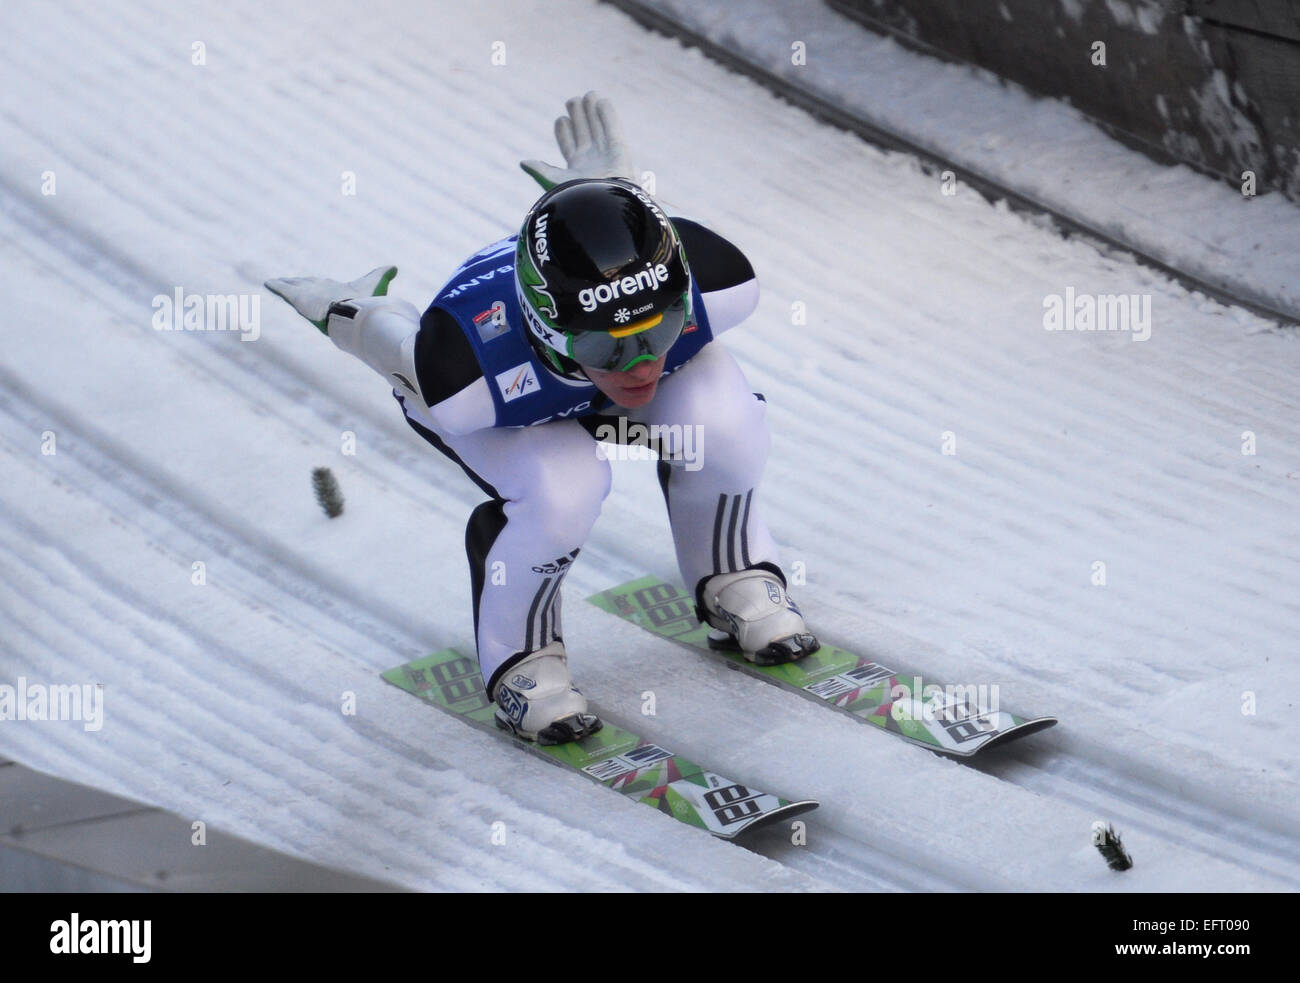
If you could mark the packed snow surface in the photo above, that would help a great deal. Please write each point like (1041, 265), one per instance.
(1106, 528)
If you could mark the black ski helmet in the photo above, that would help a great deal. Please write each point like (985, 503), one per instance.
(601, 277)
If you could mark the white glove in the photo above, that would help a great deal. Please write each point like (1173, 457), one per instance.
(311, 296)
(591, 140)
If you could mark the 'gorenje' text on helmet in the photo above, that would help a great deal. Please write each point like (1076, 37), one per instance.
(601, 277)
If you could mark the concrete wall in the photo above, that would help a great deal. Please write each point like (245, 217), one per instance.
(56, 835)
(1211, 83)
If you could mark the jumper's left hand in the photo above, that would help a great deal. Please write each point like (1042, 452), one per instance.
(591, 140)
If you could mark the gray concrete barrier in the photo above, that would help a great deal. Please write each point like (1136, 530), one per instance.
(57, 835)
(1214, 84)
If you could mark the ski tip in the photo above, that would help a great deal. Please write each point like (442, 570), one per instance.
(771, 818)
(1005, 737)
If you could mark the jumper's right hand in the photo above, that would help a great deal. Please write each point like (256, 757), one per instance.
(313, 296)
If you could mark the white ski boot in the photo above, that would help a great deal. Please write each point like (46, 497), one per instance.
(751, 611)
(537, 700)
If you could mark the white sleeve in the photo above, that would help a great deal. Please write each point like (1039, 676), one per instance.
(728, 307)
(469, 410)
(381, 332)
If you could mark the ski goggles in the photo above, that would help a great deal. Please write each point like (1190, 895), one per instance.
(620, 348)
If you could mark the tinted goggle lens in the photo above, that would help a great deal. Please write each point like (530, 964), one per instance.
(621, 348)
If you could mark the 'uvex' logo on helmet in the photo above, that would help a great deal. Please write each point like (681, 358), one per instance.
(541, 248)
(648, 279)
(649, 202)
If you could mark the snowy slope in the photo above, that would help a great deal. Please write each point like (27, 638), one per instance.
(923, 316)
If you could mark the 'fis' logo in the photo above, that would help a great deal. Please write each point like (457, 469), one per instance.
(518, 381)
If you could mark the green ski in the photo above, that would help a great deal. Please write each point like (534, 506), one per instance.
(949, 720)
(614, 757)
